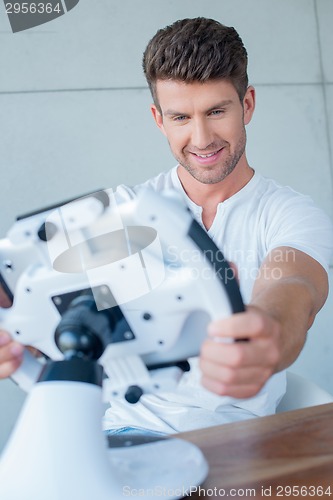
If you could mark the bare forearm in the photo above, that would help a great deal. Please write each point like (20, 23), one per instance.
(291, 288)
(291, 302)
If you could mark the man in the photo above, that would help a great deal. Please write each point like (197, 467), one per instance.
(279, 241)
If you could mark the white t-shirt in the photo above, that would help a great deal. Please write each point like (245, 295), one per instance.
(260, 217)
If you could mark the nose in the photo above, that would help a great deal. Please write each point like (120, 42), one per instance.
(202, 135)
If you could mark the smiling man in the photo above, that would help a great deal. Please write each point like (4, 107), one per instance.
(280, 242)
(207, 137)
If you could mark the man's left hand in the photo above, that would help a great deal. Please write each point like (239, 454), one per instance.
(241, 353)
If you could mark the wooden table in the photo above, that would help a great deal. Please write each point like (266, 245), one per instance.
(287, 455)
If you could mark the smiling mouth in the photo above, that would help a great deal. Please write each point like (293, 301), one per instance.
(208, 155)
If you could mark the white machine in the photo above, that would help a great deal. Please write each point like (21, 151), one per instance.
(121, 289)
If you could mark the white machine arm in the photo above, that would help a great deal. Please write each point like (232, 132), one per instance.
(139, 279)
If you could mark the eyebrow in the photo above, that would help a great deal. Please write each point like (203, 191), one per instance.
(222, 104)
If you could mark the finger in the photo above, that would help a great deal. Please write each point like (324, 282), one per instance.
(247, 325)
(7, 369)
(232, 377)
(260, 352)
(4, 299)
(5, 338)
(10, 351)
(11, 354)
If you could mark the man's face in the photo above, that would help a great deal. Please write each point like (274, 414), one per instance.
(205, 125)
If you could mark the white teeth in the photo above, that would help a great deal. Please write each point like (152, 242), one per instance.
(207, 156)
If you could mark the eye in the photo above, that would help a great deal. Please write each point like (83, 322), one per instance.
(180, 118)
(217, 112)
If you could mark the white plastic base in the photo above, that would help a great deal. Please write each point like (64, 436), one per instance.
(58, 451)
(167, 468)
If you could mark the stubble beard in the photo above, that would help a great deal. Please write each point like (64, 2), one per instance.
(216, 173)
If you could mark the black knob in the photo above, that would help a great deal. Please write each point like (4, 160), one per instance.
(133, 394)
(46, 231)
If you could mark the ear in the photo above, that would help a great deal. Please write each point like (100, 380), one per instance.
(157, 117)
(249, 104)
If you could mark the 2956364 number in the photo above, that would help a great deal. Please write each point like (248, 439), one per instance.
(303, 491)
(32, 8)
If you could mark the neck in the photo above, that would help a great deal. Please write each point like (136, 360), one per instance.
(211, 195)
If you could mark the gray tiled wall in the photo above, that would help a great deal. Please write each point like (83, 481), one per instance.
(75, 113)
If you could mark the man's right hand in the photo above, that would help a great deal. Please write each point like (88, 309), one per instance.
(11, 352)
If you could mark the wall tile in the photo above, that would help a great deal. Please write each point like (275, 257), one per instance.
(58, 145)
(100, 44)
(288, 140)
(281, 38)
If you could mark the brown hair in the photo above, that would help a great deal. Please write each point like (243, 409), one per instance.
(196, 50)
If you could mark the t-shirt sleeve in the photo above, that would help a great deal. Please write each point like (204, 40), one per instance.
(298, 223)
